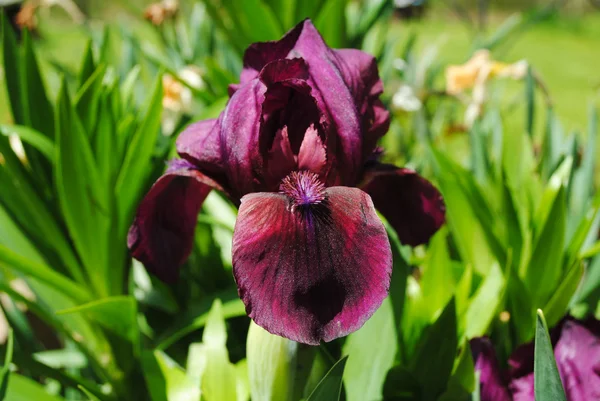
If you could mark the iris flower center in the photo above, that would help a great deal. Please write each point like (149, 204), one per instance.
(303, 188)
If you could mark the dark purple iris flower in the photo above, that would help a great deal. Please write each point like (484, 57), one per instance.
(577, 352)
(295, 149)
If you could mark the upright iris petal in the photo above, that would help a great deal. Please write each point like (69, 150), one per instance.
(294, 144)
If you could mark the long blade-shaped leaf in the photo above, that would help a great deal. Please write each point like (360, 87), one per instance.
(330, 388)
(547, 384)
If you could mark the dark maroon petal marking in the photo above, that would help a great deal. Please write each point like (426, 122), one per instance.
(410, 203)
(492, 386)
(314, 273)
(162, 233)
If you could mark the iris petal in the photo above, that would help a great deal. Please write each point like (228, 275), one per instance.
(492, 387)
(200, 144)
(314, 273)
(162, 233)
(312, 155)
(411, 204)
(359, 71)
(577, 355)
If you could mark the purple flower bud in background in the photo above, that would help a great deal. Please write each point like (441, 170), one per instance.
(294, 149)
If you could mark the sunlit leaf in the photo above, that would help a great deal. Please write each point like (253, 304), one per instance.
(21, 388)
(271, 365)
(371, 353)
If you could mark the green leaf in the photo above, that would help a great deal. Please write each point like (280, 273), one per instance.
(437, 281)
(558, 304)
(271, 365)
(401, 385)
(5, 370)
(547, 383)
(400, 272)
(116, 314)
(129, 84)
(248, 12)
(62, 358)
(88, 65)
(45, 274)
(197, 318)
(546, 264)
(521, 309)
(166, 381)
(285, 10)
(308, 9)
(135, 172)
(330, 387)
(371, 353)
(469, 217)
(91, 396)
(32, 137)
(371, 12)
(237, 20)
(84, 207)
(331, 23)
(529, 102)
(12, 72)
(36, 103)
(485, 303)
(21, 388)
(87, 100)
(219, 378)
(551, 147)
(438, 344)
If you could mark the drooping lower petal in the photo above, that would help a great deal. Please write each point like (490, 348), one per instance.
(410, 203)
(492, 386)
(162, 233)
(311, 271)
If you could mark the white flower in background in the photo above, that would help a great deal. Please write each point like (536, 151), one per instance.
(68, 6)
(178, 98)
(475, 74)
(405, 99)
(400, 64)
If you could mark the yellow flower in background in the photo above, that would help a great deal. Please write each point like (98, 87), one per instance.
(479, 69)
(178, 97)
(474, 74)
(157, 13)
(26, 18)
